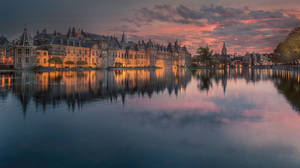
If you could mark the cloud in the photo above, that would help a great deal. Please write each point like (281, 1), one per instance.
(243, 28)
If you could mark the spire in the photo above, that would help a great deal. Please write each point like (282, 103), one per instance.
(25, 39)
(123, 38)
(73, 32)
(69, 32)
(224, 49)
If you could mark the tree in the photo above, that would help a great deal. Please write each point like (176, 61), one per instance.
(55, 61)
(205, 55)
(81, 63)
(288, 51)
(69, 63)
(118, 64)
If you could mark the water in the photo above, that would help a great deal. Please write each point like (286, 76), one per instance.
(141, 118)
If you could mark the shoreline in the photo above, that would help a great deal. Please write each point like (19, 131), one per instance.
(282, 67)
(273, 67)
(78, 69)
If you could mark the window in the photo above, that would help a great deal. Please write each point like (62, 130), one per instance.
(19, 60)
(19, 51)
(45, 60)
(38, 61)
(27, 59)
(45, 54)
(27, 51)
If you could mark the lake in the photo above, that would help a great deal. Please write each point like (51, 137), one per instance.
(150, 118)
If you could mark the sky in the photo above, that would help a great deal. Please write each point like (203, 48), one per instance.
(245, 26)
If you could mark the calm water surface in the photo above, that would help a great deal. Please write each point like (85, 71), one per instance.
(140, 118)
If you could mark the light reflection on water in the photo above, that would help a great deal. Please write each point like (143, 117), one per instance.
(142, 118)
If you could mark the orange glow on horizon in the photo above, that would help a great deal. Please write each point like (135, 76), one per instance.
(253, 21)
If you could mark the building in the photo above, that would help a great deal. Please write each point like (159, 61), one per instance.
(78, 48)
(5, 58)
(253, 59)
(24, 52)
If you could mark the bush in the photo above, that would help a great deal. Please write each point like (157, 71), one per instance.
(81, 63)
(69, 63)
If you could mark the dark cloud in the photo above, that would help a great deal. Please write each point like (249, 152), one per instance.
(260, 29)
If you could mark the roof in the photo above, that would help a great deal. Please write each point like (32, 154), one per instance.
(25, 39)
(3, 41)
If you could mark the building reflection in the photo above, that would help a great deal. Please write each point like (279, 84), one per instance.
(6, 81)
(286, 82)
(76, 88)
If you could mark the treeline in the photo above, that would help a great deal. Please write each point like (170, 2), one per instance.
(288, 51)
(205, 57)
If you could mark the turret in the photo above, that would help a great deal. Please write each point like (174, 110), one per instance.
(123, 41)
(224, 49)
(25, 39)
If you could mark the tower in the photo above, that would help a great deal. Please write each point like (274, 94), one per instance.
(123, 41)
(25, 39)
(224, 49)
(224, 55)
(24, 52)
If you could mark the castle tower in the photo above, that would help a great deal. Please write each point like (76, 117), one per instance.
(224, 49)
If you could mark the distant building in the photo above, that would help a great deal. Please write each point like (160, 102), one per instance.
(253, 59)
(224, 50)
(225, 57)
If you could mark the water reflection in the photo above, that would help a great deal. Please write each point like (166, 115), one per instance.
(287, 82)
(77, 88)
(142, 118)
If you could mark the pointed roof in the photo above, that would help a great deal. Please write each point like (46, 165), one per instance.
(25, 39)
(123, 38)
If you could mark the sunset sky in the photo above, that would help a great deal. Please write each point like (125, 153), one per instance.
(256, 25)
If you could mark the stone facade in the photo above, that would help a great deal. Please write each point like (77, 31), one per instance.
(81, 49)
